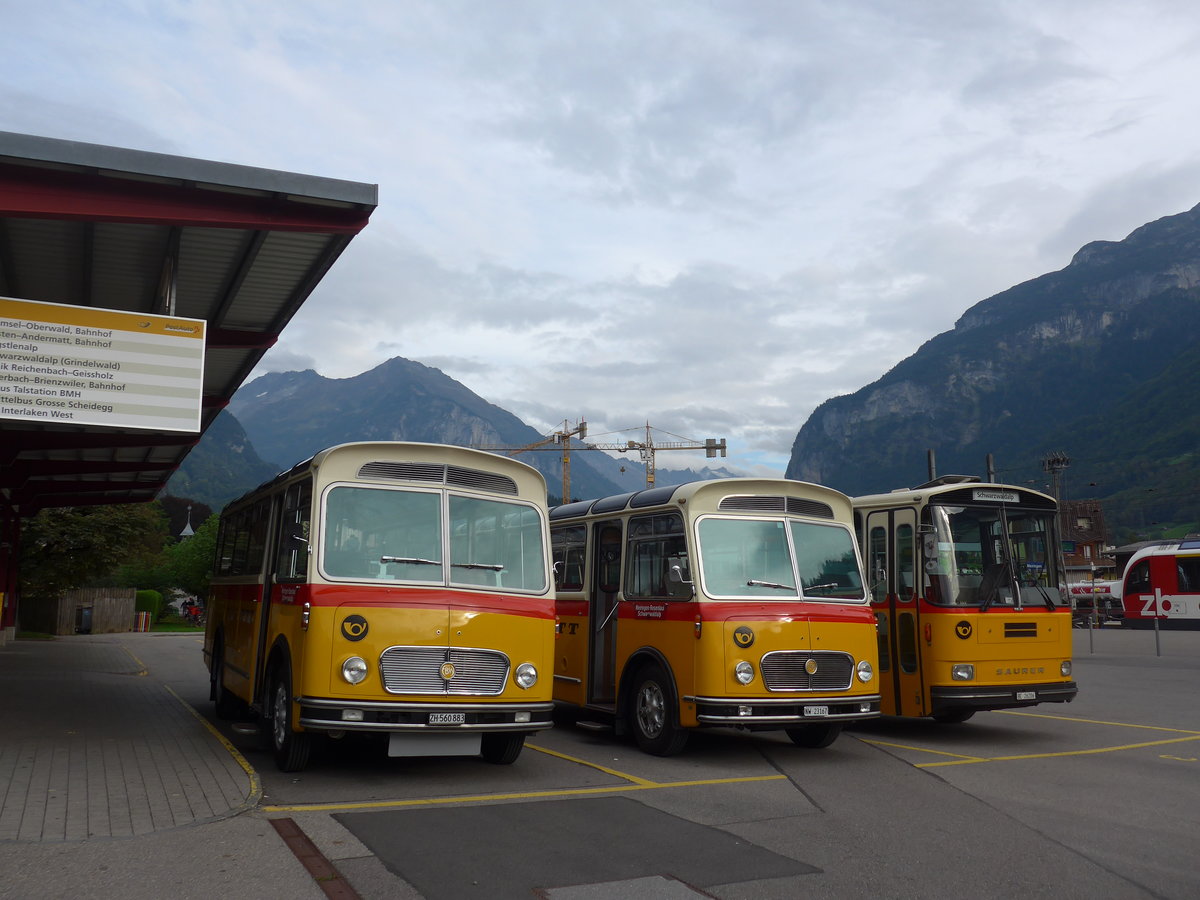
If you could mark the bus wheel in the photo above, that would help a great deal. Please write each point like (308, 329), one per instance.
(501, 749)
(291, 748)
(227, 704)
(953, 716)
(654, 717)
(814, 736)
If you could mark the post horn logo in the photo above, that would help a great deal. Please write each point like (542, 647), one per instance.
(743, 636)
(963, 629)
(354, 628)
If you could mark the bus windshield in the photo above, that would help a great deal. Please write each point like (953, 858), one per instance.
(397, 535)
(778, 559)
(970, 562)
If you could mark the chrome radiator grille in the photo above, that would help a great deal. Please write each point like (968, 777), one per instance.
(784, 670)
(418, 670)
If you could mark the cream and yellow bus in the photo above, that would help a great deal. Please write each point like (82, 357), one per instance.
(737, 602)
(969, 589)
(396, 588)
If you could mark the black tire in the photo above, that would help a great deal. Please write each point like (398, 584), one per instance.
(953, 716)
(654, 713)
(501, 748)
(291, 748)
(814, 736)
(226, 704)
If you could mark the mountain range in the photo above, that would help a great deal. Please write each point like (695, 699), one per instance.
(286, 417)
(1096, 363)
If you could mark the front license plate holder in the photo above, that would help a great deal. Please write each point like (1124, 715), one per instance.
(1026, 695)
(812, 712)
(447, 718)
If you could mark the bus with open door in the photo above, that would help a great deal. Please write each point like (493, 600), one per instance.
(968, 586)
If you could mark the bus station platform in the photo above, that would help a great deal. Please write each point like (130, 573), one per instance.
(111, 785)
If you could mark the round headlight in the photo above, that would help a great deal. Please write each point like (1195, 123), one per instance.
(743, 672)
(1065, 667)
(354, 669)
(865, 671)
(962, 672)
(526, 675)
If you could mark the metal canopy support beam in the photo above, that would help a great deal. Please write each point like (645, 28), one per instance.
(71, 196)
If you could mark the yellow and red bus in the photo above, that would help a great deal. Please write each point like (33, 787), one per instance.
(397, 588)
(737, 602)
(969, 589)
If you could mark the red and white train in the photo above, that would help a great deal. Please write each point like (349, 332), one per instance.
(1162, 582)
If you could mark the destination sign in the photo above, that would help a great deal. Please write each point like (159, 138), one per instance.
(81, 365)
(995, 496)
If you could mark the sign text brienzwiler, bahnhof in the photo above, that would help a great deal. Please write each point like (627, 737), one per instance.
(85, 366)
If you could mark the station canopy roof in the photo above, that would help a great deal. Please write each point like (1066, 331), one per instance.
(90, 225)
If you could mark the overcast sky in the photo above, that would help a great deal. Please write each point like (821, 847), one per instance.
(708, 216)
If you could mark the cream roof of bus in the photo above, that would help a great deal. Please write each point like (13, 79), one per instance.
(344, 466)
(705, 496)
(924, 493)
(342, 462)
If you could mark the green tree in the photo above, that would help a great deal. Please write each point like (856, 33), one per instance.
(72, 547)
(191, 560)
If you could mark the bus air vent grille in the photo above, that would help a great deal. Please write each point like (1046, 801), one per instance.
(795, 505)
(1020, 629)
(786, 670)
(404, 471)
(418, 670)
(483, 481)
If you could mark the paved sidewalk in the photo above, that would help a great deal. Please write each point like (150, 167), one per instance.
(91, 747)
(111, 786)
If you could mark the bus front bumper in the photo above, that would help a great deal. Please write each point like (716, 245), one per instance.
(1005, 696)
(319, 714)
(771, 713)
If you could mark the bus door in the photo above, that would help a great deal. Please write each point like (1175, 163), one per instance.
(606, 587)
(894, 578)
(288, 556)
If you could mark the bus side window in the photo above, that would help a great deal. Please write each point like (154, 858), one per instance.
(294, 532)
(567, 546)
(904, 561)
(656, 543)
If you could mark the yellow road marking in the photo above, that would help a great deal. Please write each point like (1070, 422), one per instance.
(525, 795)
(924, 750)
(584, 762)
(1061, 753)
(255, 785)
(1013, 712)
(141, 665)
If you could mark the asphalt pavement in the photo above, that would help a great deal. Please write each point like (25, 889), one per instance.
(116, 782)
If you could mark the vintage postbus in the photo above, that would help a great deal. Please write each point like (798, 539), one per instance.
(737, 602)
(396, 588)
(967, 584)
(1161, 585)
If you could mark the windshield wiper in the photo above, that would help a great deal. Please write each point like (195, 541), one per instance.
(1046, 597)
(411, 560)
(495, 567)
(771, 584)
(821, 587)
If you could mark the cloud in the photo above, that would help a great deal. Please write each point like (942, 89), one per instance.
(711, 217)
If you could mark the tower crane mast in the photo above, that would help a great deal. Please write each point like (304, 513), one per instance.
(646, 449)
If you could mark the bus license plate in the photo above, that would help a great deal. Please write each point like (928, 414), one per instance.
(447, 718)
(816, 711)
(1026, 695)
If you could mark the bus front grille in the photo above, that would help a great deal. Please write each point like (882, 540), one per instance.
(800, 670)
(422, 670)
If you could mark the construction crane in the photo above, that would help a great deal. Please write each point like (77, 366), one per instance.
(561, 440)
